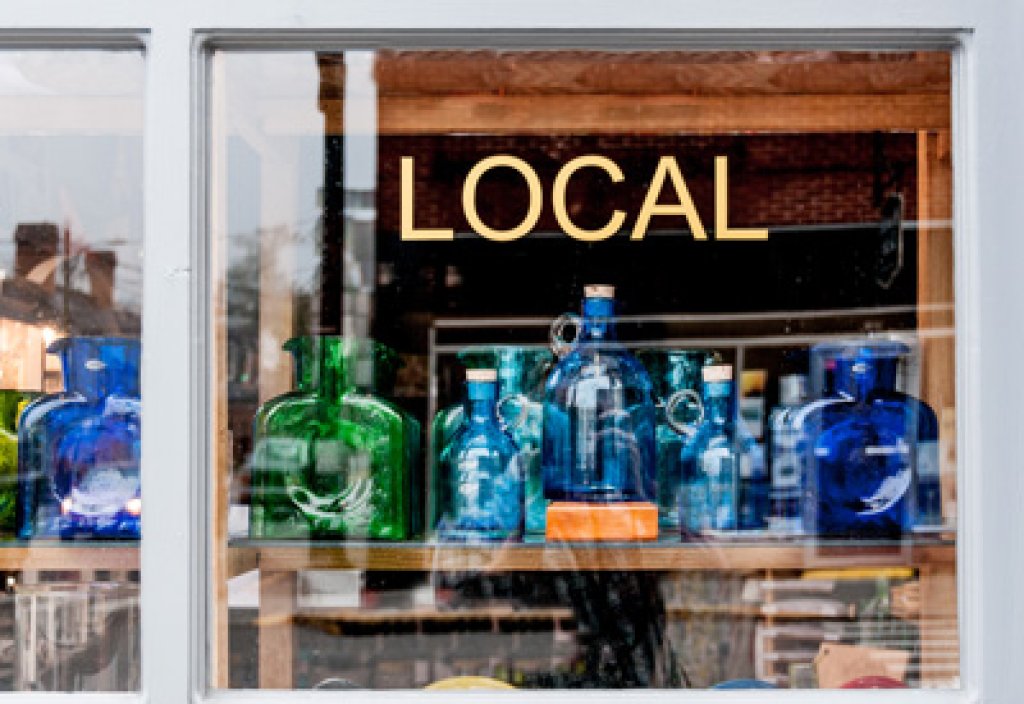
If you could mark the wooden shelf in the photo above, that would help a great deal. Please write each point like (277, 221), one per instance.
(285, 556)
(60, 556)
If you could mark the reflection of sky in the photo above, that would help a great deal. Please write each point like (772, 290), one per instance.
(71, 153)
(275, 157)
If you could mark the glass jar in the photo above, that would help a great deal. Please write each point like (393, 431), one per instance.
(784, 453)
(599, 415)
(78, 450)
(332, 459)
(521, 372)
(676, 377)
(872, 450)
(481, 468)
(724, 485)
(11, 404)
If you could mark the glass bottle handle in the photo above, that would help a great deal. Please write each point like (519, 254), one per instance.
(559, 345)
(693, 398)
(520, 417)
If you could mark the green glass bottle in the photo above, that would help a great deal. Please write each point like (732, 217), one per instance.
(521, 374)
(333, 459)
(11, 403)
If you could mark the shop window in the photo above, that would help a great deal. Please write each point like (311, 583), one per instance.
(566, 369)
(70, 408)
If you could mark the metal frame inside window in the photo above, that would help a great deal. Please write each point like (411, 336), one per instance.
(989, 159)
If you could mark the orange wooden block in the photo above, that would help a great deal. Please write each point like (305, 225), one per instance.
(584, 522)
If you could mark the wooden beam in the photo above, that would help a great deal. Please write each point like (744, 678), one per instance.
(935, 285)
(590, 114)
(724, 73)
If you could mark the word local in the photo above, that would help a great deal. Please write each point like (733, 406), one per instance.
(667, 168)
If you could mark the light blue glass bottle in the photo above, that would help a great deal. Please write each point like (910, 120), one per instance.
(521, 374)
(676, 376)
(787, 471)
(720, 453)
(864, 445)
(78, 450)
(599, 415)
(484, 501)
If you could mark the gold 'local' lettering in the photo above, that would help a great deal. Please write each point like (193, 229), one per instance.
(469, 197)
(667, 167)
(558, 198)
(409, 231)
(722, 229)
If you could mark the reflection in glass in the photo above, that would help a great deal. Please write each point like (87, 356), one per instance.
(70, 406)
(842, 156)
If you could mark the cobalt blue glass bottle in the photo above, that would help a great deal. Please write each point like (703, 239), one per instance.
(78, 450)
(785, 456)
(599, 417)
(864, 445)
(484, 500)
(717, 462)
(676, 376)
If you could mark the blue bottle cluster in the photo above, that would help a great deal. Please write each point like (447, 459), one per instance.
(78, 450)
(483, 471)
(849, 455)
(599, 415)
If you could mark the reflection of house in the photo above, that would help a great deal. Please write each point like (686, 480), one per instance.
(34, 309)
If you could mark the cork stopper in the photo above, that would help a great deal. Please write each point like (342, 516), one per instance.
(717, 372)
(481, 375)
(599, 291)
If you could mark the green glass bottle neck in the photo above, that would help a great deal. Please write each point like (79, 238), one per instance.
(333, 366)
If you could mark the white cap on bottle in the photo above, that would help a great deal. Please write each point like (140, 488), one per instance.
(481, 375)
(792, 389)
(599, 291)
(717, 372)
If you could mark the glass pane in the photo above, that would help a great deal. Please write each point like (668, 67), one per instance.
(562, 369)
(70, 313)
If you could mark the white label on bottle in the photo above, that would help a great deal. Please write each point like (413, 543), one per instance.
(714, 460)
(928, 459)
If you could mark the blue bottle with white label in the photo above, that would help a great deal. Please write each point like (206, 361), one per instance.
(717, 462)
(786, 462)
(481, 466)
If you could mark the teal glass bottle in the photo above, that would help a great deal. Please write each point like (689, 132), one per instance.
(676, 376)
(333, 459)
(79, 449)
(716, 460)
(599, 416)
(480, 465)
(521, 372)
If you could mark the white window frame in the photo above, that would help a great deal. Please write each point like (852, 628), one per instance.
(988, 158)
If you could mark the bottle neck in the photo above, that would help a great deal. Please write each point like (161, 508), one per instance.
(718, 400)
(99, 367)
(598, 324)
(481, 399)
(331, 366)
(862, 376)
